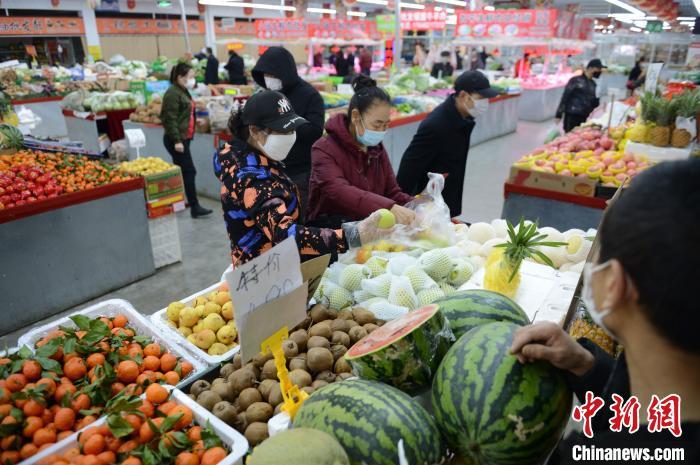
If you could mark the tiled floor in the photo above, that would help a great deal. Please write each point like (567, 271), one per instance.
(205, 246)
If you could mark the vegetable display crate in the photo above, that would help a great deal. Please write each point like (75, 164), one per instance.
(140, 323)
(236, 444)
(165, 240)
(539, 105)
(160, 319)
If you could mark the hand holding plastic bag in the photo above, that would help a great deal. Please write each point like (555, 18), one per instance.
(553, 133)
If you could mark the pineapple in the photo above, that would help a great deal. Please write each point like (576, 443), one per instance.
(688, 105)
(638, 131)
(660, 135)
(584, 327)
(502, 268)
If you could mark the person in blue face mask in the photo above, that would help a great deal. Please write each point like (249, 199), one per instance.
(640, 290)
(351, 175)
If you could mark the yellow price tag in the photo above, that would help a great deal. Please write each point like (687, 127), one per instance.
(95, 51)
(291, 394)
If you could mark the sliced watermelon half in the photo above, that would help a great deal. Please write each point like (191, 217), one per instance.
(405, 352)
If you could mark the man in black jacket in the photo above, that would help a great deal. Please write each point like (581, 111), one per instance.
(211, 72)
(579, 98)
(276, 70)
(235, 68)
(647, 304)
(441, 144)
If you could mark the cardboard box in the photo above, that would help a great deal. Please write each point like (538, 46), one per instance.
(164, 184)
(584, 187)
(155, 210)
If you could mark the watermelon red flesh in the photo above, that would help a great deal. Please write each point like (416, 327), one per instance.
(368, 419)
(405, 352)
(491, 408)
(468, 309)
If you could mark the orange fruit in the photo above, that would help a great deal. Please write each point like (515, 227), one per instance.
(28, 450)
(213, 456)
(5, 409)
(63, 390)
(10, 456)
(167, 362)
(63, 435)
(151, 362)
(167, 407)
(152, 349)
(94, 445)
(127, 371)
(9, 442)
(120, 321)
(107, 457)
(146, 433)
(44, 436)
(47, 416)
(132, 461)
(89, 460)
(83, 422)
(186, 458)
(119, 331)
(198, 448)
(117, 388)
(8, 420)
(33, 408)
(113, 444)
(147, 408)
(186, 416)
(156, 393)
(33, 424)
(135, 351)
(64, 419)
(194, 434)
(75, 369)
(106, 321)
(186, 368)
(172, 378)
(31, 370)
(81, 402)
(16, 382)
(95, 359)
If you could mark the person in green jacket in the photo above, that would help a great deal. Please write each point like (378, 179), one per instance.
(177, 115)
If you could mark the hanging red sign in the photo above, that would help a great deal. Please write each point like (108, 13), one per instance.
(289, 28)
(346, 30)
(507, 23)
(423, 20)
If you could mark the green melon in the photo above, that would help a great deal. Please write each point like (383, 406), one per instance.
(299, 446)
(492, 409)
(468, 309)
(405, 352)
(369, 419)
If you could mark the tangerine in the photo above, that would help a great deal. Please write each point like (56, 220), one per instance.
(127, 371)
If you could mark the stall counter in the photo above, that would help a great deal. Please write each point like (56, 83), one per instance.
(49, 110)
(540, 104)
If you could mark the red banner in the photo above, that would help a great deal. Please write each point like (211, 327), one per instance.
(423, 20)
(291, 28)
(571, 26)
(507, 23)
(29, 26)
(346, 30)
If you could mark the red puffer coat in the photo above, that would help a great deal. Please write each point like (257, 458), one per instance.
(347, 182)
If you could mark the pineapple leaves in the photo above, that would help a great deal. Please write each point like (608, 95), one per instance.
(526, 243)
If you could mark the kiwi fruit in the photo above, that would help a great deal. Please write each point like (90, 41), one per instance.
(208, 399)
(269, 370)
(322, 329)
(275, 398)
(338, 351)
(290, 348)
(362, 316)
(319, 359)
(308, 389)
(305, 324)
(236, 362)
(248, 397)
(258, 411)
(266, 387)
(227, 369)
(345, 314)
(343, 376)
(342, 366)
(255, 371)
(298, 363)
(300, 337)
(241, 379)
(216, 382)
(256, 433)
(224, 390)
(352, 324)
(199, 386)
(226, 412)
(341, 338)
(260, 359)
(370, 327)
(300, 377)
(339, 325)
(318, 384)
(318, 341)
(277, 410)
(241, 422)
(326, 376)
(357, 333)
(319, 313)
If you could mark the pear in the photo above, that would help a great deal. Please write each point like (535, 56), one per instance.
(204, 339)
(198, 327)
(191, 338)
(212, 295)
(184, 330)
(188, 317)
(173, 311)
(213, 322)
(222, 297)
(227, 310)
(217, 348)
(200, 310)
(210, 308)
(172, 324)
(226, 334)
(201, 300)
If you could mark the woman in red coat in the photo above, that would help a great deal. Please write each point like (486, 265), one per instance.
(351, 175)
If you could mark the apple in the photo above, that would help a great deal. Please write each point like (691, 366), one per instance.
(631, 172)
(566, 172)
(631, 164)
(607, 173)
(620, 177)
(539, 163)
(628, 158)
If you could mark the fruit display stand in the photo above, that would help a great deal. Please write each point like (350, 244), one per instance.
(88, 127)
(49, 110)
(540, 104)
(74, 261)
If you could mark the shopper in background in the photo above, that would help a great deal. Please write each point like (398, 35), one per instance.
(645, 301)
(211, 72)
(236, 69)
(637, 74)
(260, 202)
(476, 62)
(351, 175)
(579, 98)
(419, 57)
(177, 116)
(443, 68)
(344, 61)
(318, 57)
(276, 70)
(365, 59)
(441, 144)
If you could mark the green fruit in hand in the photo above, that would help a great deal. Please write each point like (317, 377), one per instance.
(386, 219)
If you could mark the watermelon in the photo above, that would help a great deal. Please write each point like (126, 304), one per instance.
(491, 408)
(283, 448)
(404, 352)
(369, 419)
(468, 309)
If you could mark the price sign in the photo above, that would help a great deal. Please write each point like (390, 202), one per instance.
(652, 79)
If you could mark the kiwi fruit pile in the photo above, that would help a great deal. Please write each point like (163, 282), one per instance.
(247, 396)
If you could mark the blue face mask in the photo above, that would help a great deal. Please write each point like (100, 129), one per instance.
(370, 138)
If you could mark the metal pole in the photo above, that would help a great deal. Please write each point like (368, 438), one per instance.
(397, 36)
(184, 25)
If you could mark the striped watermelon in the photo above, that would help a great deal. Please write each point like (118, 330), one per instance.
(491, 408)
(468, 309)
(404, 352)
(368, 419)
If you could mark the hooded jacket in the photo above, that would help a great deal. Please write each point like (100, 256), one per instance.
(579, 97)
(305, 100)
(347, 182)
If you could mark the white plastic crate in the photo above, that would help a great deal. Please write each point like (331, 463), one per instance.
(232, 439)
(165, 240)
(161, 320)
(143, 327)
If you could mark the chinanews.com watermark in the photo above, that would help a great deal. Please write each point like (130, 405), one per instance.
(662, 415)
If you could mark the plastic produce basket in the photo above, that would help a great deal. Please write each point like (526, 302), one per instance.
(143, 327)
(232, 439)
(161, 321)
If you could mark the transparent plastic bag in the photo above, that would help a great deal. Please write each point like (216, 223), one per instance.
(401, 293)
(383, 310)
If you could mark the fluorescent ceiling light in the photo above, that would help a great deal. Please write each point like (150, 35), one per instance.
(261, 6)
(360, 14)
(374, 2)
(629, 8)
(453, 2)
(635, 29)
(412, 6)
(490, 8)
(447, 10)
(640, 24)
(685, 18)
(321, 10)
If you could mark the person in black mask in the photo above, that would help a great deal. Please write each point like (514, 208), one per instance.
(579, 99)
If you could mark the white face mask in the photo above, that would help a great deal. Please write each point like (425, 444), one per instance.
(272, 83)
(588, 299)
(191, 83)
(480, 107)
(277, 146)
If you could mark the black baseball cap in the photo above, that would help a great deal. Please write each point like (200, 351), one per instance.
(271, 110)
(595, 63)
(475, 81)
